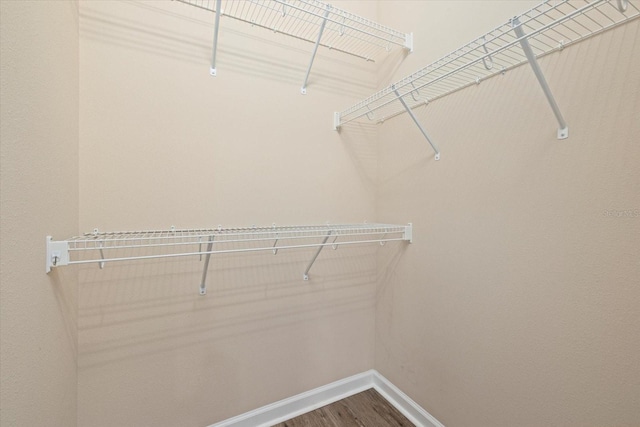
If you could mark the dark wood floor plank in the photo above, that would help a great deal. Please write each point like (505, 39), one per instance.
(373, 409)
(341, 414)
(366, 409)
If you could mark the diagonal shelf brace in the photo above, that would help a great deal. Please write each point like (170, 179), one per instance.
(101, 263)
(415, 120)
(203, 283)
(563, 130)
(303, 90)
(213, 70)
(322, 245)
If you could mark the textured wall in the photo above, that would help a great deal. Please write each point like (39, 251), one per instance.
(38, 196)
(517, 303)
(163, 143)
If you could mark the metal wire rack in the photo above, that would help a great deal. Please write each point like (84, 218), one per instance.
(548, 27)
(312, 21)
(100, 247)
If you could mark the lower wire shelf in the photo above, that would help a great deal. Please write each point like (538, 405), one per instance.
(100, 247)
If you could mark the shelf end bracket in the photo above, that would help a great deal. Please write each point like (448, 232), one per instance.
(408, 233)
(415, 120)
(408, 42)
(336, 121)
(563, 129)
(57, 253)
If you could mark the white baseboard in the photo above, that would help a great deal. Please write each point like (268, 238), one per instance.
(403, 403)
(308, 401)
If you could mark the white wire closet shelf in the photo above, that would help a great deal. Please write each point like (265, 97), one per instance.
(100, 248)
(546, 28)
(312, 21)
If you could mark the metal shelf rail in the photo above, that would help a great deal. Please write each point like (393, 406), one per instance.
(546, 28)
(312, 21)
(100, 248)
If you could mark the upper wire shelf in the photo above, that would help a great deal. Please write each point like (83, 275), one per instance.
(548, 27)
(100, 248)
(302, 19)
(309, 20)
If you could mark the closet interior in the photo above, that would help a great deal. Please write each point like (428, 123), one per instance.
(515, 304)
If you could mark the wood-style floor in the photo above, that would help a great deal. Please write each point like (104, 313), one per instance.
(366, 409)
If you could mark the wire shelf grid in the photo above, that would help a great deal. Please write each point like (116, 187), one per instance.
(550, 26)
(302, 19)
(101, 247)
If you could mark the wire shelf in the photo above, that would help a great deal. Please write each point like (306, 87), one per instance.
(548, 27)
(100, 248)
(302, 19)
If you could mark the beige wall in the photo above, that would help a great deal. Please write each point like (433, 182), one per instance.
(38, 196)
(163, 143)
(517, 303)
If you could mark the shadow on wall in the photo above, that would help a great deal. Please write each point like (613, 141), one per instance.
(131, 310)
(360, 142)
(183, 33)
(64, 286)
(388, 68)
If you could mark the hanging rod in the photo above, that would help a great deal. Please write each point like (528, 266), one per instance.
(312, 21)
(548, 27)
(101, 248)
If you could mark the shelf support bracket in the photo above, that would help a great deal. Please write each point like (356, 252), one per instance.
(57, 253)
(563, 130)
(203, 283)
(213, 70)
(303, 90)
(408, 233)
(306, 272)
(415, 120)
(408, 42)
